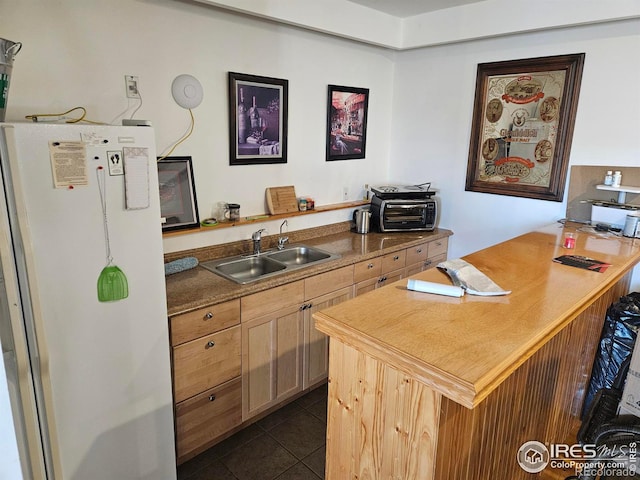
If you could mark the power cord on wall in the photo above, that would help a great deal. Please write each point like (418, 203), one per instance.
(56, 117)
(184, 137)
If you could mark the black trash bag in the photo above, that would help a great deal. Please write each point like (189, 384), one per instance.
(616, 344)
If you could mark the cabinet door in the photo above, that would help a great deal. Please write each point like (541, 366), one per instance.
(316, 353)
(272, 352)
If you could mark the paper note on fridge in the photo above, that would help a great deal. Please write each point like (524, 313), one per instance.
(472, 280)
(68, 164)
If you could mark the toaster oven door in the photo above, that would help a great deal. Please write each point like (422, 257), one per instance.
(408, 215)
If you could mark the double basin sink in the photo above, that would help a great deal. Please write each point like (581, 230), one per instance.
(250, 268)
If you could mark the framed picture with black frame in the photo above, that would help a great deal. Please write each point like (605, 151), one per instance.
(257, 119)
(347, 109)
(178, 204)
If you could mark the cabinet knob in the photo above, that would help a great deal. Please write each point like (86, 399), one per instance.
(396, 258)
(210, 344)
(208, 316)
(370, 265)
(439, 244)
(427, 263)
(212, 398)
(418, 250)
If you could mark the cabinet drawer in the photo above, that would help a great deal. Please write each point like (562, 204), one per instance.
(271, 300)
(205, 362)
(328, 282)
(438, 247)
(203, 418)
(417, 254)
(367, 269)
(434, 261)
(204, 321)
(393, 261)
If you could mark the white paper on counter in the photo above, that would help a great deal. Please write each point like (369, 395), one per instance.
(472, 280)
(437, 288)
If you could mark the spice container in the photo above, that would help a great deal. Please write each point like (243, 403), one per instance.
(232, 212)
(608, 178)
(302, 204)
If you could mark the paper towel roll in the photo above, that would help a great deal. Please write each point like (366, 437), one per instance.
(437, 288)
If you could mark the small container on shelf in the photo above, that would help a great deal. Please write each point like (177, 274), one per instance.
(617, 178)
(302, 204)
(608, 178)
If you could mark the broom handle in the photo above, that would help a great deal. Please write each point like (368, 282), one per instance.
(102, 187)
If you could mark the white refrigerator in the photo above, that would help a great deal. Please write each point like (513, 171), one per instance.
(87, 379)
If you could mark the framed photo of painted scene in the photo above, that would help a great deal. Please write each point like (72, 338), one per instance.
(347, 109)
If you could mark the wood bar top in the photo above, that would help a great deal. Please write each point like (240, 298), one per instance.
(465, 347)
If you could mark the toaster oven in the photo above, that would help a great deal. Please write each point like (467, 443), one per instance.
(403, 214)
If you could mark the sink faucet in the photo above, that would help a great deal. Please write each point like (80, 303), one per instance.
(282, 240)
(257, 239)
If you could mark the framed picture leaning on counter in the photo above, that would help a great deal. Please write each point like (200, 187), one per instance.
(178, 205)
(522, 127)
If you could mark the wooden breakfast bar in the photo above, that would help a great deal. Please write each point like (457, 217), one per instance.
(424, 386)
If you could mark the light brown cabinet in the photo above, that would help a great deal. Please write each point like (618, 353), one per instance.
(282, 352)
(322, 291)
(381, 271)
(238, 359)
(425, 256)
(272, 347)
(206, 360)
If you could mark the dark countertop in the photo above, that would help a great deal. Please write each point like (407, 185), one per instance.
(197, 288)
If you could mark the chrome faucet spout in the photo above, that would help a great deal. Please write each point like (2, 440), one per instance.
(257, 241)
(282, 240)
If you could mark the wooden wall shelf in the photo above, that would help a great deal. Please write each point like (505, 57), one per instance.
(266, 218)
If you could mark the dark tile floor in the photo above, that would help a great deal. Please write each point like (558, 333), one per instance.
(289, 444)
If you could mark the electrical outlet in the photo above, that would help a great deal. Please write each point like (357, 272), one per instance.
(345, 194)
(131, 83)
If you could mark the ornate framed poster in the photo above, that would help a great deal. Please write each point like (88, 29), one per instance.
(523, 118)
(257, 119)
(347, 109)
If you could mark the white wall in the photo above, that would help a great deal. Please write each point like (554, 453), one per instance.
(433, 105)
(76, 52)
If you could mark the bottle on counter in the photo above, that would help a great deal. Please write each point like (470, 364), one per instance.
(608, 178)
(617, 178)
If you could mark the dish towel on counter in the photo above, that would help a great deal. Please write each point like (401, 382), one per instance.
(470, 279)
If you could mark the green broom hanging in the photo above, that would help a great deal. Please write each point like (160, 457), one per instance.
(112, 282)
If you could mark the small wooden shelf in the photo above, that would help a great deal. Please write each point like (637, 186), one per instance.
(266, 218)
(622, 190)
